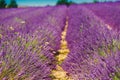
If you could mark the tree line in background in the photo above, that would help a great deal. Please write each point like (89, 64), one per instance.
(12, 4)
(68, 3)
(64, 2)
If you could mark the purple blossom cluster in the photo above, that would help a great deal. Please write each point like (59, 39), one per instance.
(94, 49)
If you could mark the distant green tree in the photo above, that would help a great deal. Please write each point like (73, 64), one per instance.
(2, 4)
(13, 4)
(64, 2)
(69, 3)
(105, 1)
(95, 1)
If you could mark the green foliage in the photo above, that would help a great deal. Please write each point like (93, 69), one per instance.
(13, 4)
(2, 4)
(64, 2)
(95, 1)
(101, 52)
(69, 3)
(60, 2)
(115, 78)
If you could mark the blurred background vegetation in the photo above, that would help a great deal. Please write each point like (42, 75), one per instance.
(64, 2)
(14, 4)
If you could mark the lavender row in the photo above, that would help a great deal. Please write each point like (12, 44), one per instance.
(107, 12)
(26, 43)
(114, 4)
(94, 49)
(38, 18)
(20, 21)
(22, 57)
(6, 13)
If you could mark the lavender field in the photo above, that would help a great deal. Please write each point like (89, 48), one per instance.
(79, 42)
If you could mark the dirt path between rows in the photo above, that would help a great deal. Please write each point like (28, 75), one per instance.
(59, 73)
